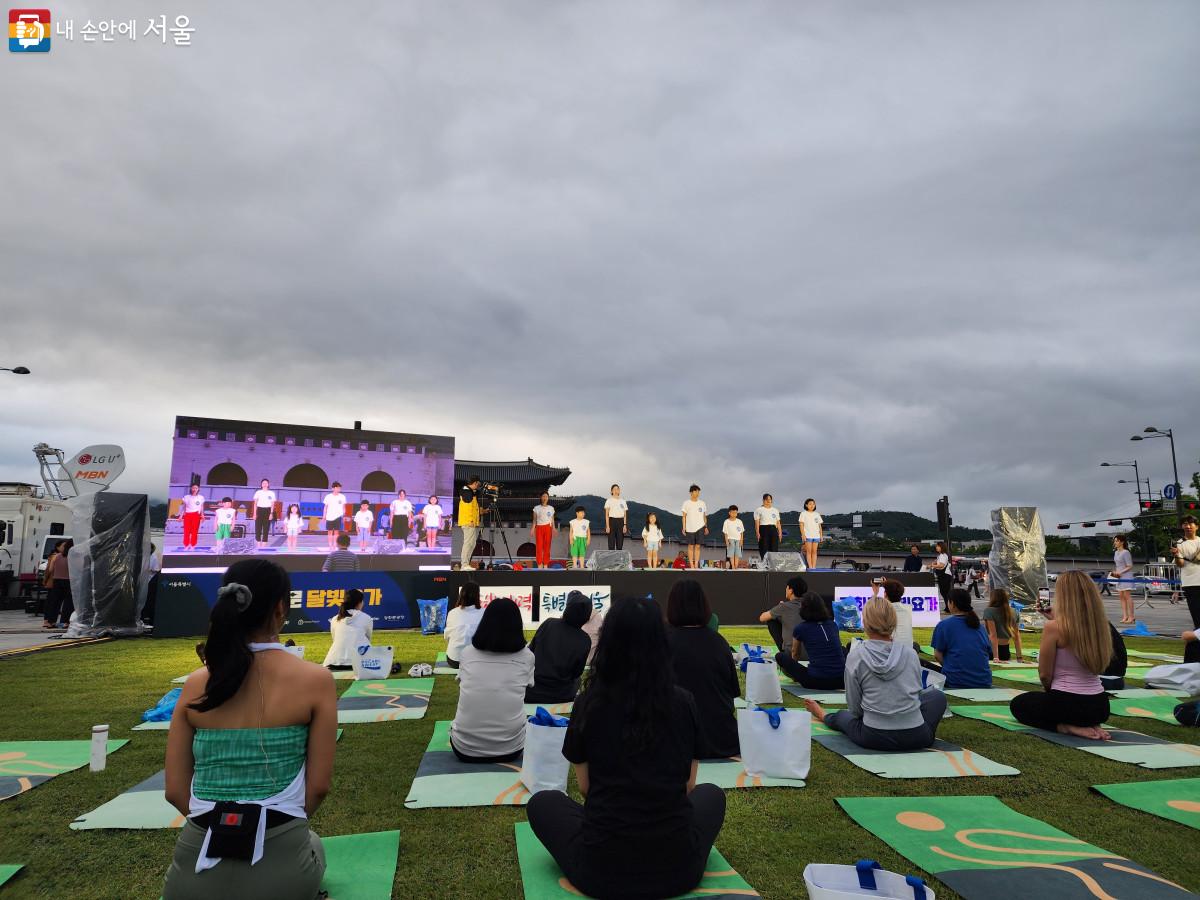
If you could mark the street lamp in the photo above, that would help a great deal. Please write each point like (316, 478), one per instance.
(1170, 436)
(19, 370)
(1137, 477)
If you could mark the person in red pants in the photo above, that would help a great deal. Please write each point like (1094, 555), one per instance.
(191, 512)
(543, 530)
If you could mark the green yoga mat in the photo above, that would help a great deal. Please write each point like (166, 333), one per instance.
(1125, 746)
(1031, 676)
(983, 695)
(442, 781)
(1139, 693)
(360, 866)
(825, 698)
(984, 850)
(542, 879)
(927, 650)
(942, 760)
(1160, 709)
(1161, 657)
(384, 700)
(26, 764)
(7, 872)
(730, 774)
(441, 667)
(1175, 799)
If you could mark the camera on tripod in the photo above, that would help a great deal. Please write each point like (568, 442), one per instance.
(489, 495)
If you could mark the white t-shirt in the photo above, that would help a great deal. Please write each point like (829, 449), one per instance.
(810, 522)
(192, 503)
(943, 560)
(616, 507)
(767, 515)
(335, 506)
(1189, 573)
(363, 519)
(294, 524)
(461, 623)
(579, 528)
(543, 515)
(264, 498)
(402, 508)
(652, 533)
(432, 513)
(694, 512)
(733, 529)
(348, 635)
(225, 516)
(490, 719)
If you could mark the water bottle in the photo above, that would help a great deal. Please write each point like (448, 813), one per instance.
(99, 747)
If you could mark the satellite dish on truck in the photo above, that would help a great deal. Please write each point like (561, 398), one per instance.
(94, 468)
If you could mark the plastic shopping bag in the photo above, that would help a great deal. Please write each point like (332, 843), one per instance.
(775, 742)
(762, 681)
(433, 615)
(866, 879)
(163, 709)
(744, 652)
(846, 614)
(543, 766)
(1177, 676)
(372, 662)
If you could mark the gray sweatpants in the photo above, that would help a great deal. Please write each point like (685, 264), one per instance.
(933, 707)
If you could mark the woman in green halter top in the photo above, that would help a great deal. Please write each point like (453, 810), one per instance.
(250, 752)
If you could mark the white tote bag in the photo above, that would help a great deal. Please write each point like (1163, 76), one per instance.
(1178, 676)
(372, 662)
(776, 743)
(867, 879)
(543, 766)
(762, 683)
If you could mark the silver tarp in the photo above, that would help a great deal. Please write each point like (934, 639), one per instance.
(1017, 562)
(108, 563)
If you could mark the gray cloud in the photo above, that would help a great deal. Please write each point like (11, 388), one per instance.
(871, 253)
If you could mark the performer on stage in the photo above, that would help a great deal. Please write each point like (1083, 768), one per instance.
(432, 513)
(543, 529)
(766, 526)
(733, 529)
(223, 518)
(811, 531)
(364, 519)
(470, 519)
(695, 525)
(615, 518)
(293, 524)
(652, 538)
(402, 516)
(264, 512)
(191, 513)
(335, 510)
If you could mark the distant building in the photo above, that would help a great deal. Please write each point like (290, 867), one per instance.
(521, 485)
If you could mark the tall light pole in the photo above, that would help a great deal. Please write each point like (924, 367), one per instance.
(1137, 478)
(1170, 436)
(18, 370)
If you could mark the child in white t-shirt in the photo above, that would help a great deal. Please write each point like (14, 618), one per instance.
(811, 532)
(652, 538)
(363, 520)
(695, 525)
(581, 536)
(293, 524)
(733, 529)
(224, 518)
(432, 513)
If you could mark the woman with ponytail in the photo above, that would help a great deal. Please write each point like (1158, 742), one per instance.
(250, 752)
(962, 646)
(350, 629)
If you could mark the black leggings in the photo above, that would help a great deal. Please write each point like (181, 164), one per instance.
(768, 539)
(1049, 709)
(558, 822)
(59, 604)
(616, 534)
(945, 583)
(1002, 651)
(262, 524)
(462, 757)
(799, 672)
(1192, 595)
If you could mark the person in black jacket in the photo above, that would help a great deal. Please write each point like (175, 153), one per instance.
(560, 652)
(704, 666)
(913, 562)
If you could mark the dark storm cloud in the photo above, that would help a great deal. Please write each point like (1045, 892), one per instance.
(873, 252)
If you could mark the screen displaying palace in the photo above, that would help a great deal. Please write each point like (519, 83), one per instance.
(291, 491)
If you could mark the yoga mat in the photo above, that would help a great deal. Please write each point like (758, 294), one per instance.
(26, 764)
(152, 726)
(1126, 746)
(440, 666)
(1175, 799)
(825, 698)
(360, 866)
(1138, 693)
(555, 709)
(1160, 709)
(983, 694)
(1030, 676)
(942, 760)
(996, 664)
(385, 700)
(984, 850)
(542, 879)
(1164, 657)
(7, 872)
(729, 774)
(442, 781)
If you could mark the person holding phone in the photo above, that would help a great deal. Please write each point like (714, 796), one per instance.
(1186, 554)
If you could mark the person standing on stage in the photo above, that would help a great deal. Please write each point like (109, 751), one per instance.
(191, 513)
(402, 516)
(469, 519)
(766, 526)
(733, 529)
(1186, 555)
(335, 509)
(616, 522)
(652, 538)
(542, 530)
(913, 562)
(432, 513)
(811, 532)
(581, 536)
(264, 512)
(293, 524)
(695, 525)
(364, 520)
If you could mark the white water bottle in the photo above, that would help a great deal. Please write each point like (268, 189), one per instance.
(99, 747)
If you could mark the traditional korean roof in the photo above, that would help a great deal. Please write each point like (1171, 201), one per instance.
(510, 473)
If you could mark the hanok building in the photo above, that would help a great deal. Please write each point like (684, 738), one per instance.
(521, 486)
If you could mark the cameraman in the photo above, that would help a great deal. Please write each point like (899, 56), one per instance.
(469, 519)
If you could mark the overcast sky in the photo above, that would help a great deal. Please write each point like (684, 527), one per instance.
(868, 252)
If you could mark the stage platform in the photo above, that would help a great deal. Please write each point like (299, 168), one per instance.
(408, 561)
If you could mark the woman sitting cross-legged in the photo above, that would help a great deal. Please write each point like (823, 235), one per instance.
(962, 645)
(703, 666)
(350, 628)
(645, 828)
(495, 669)
(250, 748)
(817, 635)
(1076, 648)
(885, 706)
(560, 652)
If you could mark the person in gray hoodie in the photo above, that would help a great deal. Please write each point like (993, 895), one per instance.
(885, 706)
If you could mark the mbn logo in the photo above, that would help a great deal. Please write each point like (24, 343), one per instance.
(94, 475)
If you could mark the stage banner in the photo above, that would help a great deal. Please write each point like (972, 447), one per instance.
(521, 594)
(552, 600)
(925, 602)
(185, 598)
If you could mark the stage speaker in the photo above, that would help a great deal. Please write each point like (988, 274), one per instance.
(778, 561)
(613, 560)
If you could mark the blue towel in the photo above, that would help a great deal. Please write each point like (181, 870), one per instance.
(164, 708)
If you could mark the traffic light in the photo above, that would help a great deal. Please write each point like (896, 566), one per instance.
(1189, 506)
(1151, 504)
(1115, 521)
(943, 514)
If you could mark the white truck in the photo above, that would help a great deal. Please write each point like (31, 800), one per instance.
(30, 524)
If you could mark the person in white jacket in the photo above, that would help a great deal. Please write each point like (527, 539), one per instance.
(350, 628)
(462, 621)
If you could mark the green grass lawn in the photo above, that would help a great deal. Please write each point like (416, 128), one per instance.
(769, 834)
